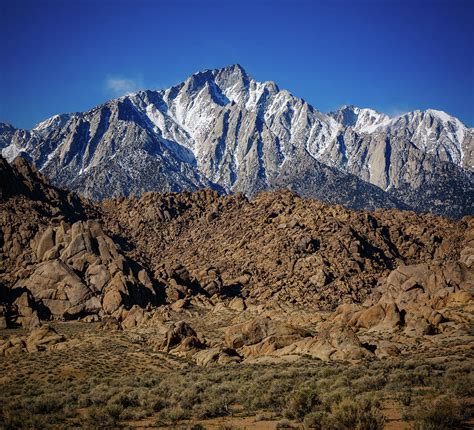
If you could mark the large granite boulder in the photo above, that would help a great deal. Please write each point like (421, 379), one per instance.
(40, 338)
(333, 341)
(81, 271)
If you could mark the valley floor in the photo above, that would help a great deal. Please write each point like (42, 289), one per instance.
(103, 378)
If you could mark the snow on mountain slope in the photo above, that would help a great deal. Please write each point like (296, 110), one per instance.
(434, 132)
(56, 121)
(361, 120)
(389, 152)
(221, 128)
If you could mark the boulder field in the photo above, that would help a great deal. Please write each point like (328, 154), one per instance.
(224, 279)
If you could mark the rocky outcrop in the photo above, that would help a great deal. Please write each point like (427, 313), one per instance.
(420, 299)
(224, 279)
(20, 178)
(217, 355)
(380, 317)
(432, 284)
(333, 341)
(264, 338)
(56, 262)
(3, 318)
(80, 271)
(26, 311)
(181, 339)
(40, 339)
(277, 248)
(261, 335)
(425, 292)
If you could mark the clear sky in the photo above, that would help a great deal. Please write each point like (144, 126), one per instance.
(70, 55)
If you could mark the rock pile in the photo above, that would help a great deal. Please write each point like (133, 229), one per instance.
(55, 259)
(79, 271)
(277, 248)
(40, 338)
(270, 278)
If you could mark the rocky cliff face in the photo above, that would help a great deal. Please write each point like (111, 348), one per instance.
(423, 158)
(223, 130)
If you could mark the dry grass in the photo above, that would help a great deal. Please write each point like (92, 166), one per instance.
(108, 379)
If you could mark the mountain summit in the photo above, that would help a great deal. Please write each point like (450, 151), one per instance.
(222, 129)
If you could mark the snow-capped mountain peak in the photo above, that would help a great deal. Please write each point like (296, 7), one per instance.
(363, 120)
(56, 121)
(224, 129)
(437, 133)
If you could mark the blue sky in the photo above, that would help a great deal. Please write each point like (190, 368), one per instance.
(395, 56)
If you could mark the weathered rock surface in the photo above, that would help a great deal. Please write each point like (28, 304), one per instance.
(181, 339)
(379, 317)
(261, 336)
(334, 341)
(3, 318)
(81, 271)
(420, 299)
(40, 338)
(57, 263)
(277, 248)
(216, 355)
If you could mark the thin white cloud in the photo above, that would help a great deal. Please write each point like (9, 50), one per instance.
(120, 86)
(396, 111)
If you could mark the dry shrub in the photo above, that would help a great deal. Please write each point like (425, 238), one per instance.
(440, 414)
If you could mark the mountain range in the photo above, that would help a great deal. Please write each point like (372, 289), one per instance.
(236, 304)
(223, 130)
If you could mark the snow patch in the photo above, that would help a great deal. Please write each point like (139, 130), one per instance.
(11, 152)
